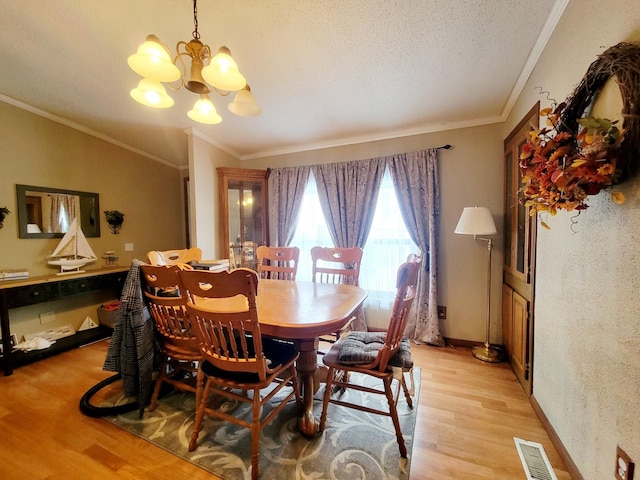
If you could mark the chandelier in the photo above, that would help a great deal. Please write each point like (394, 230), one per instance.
(207, 73)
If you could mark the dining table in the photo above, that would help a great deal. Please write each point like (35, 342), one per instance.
(302, 312)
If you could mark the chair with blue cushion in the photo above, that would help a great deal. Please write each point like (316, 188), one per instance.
(236, 358)
(179, 348)
(376, 354)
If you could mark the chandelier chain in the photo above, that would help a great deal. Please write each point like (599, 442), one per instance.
(196, 34)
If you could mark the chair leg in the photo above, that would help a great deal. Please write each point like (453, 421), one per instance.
(255, 435)
(200, 407)
(407, 395)
(156, 389)
(295, 384)
(394, 416)
(325, 400)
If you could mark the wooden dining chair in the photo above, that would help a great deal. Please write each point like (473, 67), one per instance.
(180, 351)
(235, 355)
(280, 263)
(336, 265)
(375, 354)
(174, 257)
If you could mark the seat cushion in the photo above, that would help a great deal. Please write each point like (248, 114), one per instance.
(277, 352)
(360, 348)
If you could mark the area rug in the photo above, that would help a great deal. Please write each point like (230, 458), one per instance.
(354, 445)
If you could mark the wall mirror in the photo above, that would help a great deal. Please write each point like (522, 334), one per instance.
(45, 212)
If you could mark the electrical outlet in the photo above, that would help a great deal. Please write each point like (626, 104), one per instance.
(624, 465)
(128, 247)
(47, 317)
(442, 312)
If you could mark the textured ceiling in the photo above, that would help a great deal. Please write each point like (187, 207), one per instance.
(325, 72)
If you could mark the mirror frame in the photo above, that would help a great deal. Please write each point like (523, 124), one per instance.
(21, 192)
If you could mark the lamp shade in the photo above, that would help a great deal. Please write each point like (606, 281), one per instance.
(476, 221)
(152, 60)
(222, 72)
(244, 104)
(152, 94)
(204, 111)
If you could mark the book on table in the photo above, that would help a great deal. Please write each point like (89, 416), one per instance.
(211, 265)
(14, 274)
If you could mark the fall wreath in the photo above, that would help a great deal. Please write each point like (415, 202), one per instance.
(574, 155)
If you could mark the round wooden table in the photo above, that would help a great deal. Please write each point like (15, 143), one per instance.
(302, 312)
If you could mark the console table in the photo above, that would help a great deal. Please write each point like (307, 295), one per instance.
(48, 288)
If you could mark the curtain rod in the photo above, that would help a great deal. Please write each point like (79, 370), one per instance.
(443, 147)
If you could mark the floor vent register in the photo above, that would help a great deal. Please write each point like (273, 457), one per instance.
(534, 460)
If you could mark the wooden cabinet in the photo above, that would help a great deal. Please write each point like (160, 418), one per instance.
(47, 288)
(516, 332)
(519, 260)
(243, 213)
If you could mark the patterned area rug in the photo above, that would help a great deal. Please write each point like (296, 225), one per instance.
(355, 444)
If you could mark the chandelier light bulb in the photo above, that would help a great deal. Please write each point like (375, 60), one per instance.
(222, 72)
(152, 94)
(204, 111)
(152, 60)
(244, 104)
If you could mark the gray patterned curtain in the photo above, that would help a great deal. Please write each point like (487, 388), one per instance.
(348, 194)
(415, 178)
(286, 189)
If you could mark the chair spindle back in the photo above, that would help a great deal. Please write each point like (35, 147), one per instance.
(336, 265)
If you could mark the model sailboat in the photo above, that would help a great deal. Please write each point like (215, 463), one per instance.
(73, 251)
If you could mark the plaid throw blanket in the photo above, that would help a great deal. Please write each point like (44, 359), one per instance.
(133, 347)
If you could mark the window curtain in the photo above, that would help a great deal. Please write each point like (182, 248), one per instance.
(286, 190)
(63, 211)
(415, 177)
(348, 195)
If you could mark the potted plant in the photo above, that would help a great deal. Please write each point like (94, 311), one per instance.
(3, 212)
(114, 219)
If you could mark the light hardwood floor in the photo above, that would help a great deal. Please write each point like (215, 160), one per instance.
(468, 414)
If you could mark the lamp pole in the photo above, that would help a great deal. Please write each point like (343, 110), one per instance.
(487, 353)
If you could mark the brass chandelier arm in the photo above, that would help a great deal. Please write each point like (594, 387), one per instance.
(198, 53)
(222, 93)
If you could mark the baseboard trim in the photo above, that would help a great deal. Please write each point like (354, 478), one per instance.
(456, 342)
(566, 458)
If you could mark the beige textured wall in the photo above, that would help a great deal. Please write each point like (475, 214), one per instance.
(38, 151)
(471, 173)
(204, 159)
(587, 311)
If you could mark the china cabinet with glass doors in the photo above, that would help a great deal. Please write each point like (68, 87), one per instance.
(243, 214)
(519, 260)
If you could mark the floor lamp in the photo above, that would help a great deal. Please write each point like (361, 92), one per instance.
(478, 221)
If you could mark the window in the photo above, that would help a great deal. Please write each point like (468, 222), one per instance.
(311, 229)
(388, 245)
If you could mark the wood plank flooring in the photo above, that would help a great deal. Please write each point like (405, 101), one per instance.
(468, 414)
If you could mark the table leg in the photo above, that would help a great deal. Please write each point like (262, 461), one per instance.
(306, 366)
